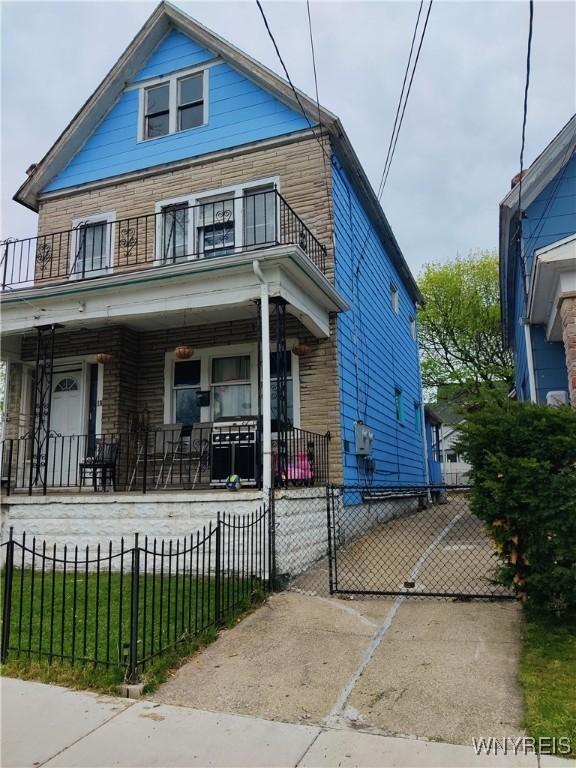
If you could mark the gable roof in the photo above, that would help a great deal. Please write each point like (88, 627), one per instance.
(535, 179)
(163, 18)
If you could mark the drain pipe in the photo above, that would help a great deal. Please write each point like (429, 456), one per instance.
(266, 401)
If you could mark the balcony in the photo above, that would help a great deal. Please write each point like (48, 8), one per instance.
(99, 247)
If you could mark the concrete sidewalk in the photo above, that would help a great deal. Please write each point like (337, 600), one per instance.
(52, 726)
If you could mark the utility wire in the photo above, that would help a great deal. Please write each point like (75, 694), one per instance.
(328, 194)
(290, 83)
(400, 100)
(387, 170)
(522, 147)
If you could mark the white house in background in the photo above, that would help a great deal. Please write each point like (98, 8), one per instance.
(454, 468)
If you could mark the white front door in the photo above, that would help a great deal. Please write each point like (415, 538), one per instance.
(67, 445)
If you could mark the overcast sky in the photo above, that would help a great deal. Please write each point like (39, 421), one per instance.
(460, 141)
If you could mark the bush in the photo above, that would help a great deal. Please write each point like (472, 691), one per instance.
(523, 459)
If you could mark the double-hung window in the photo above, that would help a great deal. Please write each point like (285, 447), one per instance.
(186, 385)
(91, 246)
(157, 111)
(190, 102)
(259, 216)
(174, 232)
(231, 387)
(216, 226)
(178, 103)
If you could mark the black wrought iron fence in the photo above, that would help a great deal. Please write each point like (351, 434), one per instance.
(171, 457)
(175, 235)
(119, 606)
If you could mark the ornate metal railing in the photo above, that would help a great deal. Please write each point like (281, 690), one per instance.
(178, 233)
(171, 457)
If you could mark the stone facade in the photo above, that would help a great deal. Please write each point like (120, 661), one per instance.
(297, 163)
(568, 315)
(133, 382)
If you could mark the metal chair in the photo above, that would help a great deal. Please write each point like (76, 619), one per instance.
(102, 462)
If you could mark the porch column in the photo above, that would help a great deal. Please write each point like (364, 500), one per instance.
(568, 315)
(266, 403)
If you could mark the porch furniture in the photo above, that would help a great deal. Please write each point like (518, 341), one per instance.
(102, 462)
(199, 449)
(158, 449)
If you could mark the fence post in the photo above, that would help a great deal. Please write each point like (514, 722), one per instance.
(329, 531)
(145, 468)
(7, 604)
(271, 541)
(134, 595)
(10, 455)
(217, 580)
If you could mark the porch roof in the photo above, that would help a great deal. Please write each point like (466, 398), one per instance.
(199, 290)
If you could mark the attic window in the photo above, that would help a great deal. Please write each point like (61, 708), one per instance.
(177, 103)
(157, 115)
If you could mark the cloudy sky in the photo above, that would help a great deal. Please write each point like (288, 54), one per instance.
(460, 140)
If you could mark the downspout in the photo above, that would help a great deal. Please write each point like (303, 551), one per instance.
(266, 400)
(530, 360)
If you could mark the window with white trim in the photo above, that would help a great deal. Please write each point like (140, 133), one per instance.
(174, 232)
(92, 240)
(231, 386)
(215, 226)
(185, 388)
(413, 329)
(157, 111)
(177, 103)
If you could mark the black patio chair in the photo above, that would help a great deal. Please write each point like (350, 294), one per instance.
(102, 462)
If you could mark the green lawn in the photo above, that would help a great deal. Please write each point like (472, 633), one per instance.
(78, 629)
(548, 677)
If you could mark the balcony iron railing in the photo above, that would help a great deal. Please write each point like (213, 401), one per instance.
(176, 234)
(170, 457)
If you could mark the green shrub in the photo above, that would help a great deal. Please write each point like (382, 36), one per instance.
(523, 459)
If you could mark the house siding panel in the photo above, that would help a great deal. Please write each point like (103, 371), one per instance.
(239, 112)
(551, 217)
(376, 351)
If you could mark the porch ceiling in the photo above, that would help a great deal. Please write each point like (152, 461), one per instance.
(193, 293)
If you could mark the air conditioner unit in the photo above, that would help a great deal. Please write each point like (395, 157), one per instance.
(557, 397)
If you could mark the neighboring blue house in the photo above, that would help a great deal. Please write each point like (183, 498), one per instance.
(433, 431)
(538, 273)
(217, 263)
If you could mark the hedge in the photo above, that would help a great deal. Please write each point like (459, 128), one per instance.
(523, 459)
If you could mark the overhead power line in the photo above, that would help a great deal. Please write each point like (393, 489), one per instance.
(400, 100)
(288, 78)
(394, 138)
(522, 147)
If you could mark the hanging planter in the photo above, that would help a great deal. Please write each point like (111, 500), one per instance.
(103, 357)
(184, 352)
(300, 349)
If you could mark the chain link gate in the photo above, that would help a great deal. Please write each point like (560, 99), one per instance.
(421, 541)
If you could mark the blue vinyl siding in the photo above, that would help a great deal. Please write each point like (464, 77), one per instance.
(434, 467)
(549, 364)
(239, 112)
(376, 352)
(549, 218)
(552, 216)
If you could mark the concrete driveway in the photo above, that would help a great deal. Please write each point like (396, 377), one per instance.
(440, 670)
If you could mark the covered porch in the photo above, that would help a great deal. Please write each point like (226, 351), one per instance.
(174, 382)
